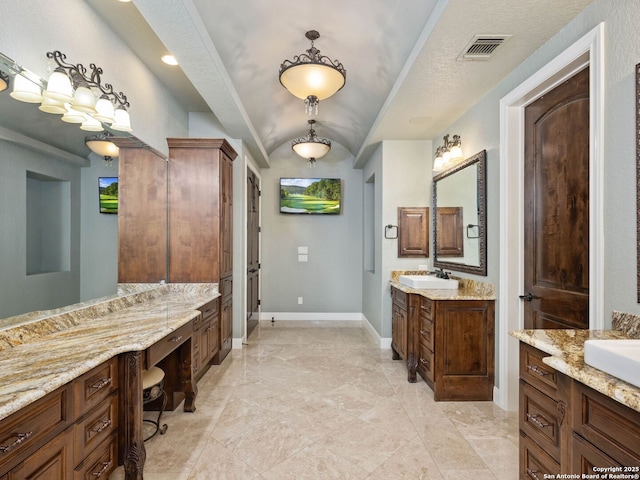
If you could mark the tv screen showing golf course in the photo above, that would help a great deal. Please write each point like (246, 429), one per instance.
(316, 196)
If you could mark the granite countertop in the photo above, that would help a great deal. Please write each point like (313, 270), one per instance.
(467, 290)
(73, 345)
(566, 350)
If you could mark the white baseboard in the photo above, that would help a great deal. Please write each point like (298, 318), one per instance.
(311, 316)
(383, 343)
(237, 343)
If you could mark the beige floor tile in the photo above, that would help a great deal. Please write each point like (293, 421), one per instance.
(319, 400)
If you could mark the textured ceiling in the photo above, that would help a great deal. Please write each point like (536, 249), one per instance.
(404, 79)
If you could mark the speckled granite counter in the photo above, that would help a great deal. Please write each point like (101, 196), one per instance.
(468, 289)
(54, 348)
(566, 350)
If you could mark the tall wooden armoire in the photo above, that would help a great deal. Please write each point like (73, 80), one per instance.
(200, 218)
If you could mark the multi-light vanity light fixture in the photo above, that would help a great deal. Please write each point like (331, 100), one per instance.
(312, 77)
(78, 94)
(448, 154)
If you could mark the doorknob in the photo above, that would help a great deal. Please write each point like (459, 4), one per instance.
(528, 297)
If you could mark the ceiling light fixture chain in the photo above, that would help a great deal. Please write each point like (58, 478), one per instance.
(78, 74)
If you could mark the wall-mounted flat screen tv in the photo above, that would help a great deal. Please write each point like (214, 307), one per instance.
(108, 192)
(316, 196)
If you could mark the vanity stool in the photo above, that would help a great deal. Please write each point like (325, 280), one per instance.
(152, 389)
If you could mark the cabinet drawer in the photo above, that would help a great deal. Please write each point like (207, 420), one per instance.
(539, 419)
(426, 362)
(94, 386)
(102, 461)
(400, 298)
(29, 428)
(606, 423)
(584, 457)
(53, 461)
(426, 307)
(209, 310)
(95, 427)
(168, 344)
(535, 372)
(535, 463)
(427, 332)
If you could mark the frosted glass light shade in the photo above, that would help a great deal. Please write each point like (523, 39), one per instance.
(310, 79)
(104, 110)
(25, 90)
(311, 149)
(84, 100)
(49, 105)
(59, 87)
(90, 124)
(102, 146)
(72, 115)
(122, 121)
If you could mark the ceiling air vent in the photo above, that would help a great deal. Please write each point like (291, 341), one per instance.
(483, 47)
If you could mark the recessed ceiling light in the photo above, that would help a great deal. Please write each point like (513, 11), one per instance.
(169, 59)
(124, 1)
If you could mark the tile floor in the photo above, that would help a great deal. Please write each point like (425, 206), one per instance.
(319, 400)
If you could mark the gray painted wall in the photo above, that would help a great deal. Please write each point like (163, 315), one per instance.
(331, 279)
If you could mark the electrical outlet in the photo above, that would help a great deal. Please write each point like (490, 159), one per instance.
(299, 300)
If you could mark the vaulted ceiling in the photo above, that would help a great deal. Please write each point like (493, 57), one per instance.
(405, 77)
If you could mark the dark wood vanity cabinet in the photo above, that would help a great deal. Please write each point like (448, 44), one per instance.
(450, 343)
(205, 343)
(569, 428)
(543, 416)
(201, 221)
(71, 433)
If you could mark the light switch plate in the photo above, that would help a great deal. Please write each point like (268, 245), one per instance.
(303, 250)
(303, 258)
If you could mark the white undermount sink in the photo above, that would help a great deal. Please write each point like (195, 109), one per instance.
(428, 281)
(620, 358)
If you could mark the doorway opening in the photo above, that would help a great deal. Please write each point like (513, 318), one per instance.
(587, 51)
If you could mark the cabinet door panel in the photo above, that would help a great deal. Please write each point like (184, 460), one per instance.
(54, 461)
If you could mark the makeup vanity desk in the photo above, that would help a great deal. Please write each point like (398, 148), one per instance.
(71, 379)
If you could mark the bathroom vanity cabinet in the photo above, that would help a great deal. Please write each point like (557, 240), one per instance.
(71, 433)
(201, 221)
(567, 427)
(449, 342)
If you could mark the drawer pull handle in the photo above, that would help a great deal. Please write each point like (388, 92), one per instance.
(20, 437)
(533, 418)
(100, 384)
(105, 467)
(533, 474)
(424, 332)
(176, 339)
(99, 428)
(538, 371)
(424, 362)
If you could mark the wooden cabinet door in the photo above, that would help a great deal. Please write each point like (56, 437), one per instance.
(413, 231)
(226, 216)
(449, 237)
(399, 331)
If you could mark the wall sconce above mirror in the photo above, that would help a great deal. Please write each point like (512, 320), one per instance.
(448, 154)
(459, 216)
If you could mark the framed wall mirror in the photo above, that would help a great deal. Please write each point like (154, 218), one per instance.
(460, 217)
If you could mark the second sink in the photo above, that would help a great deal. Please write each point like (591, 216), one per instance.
(428, 281)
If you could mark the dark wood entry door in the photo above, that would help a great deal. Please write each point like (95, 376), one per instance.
(253, 250)
(556, 201)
